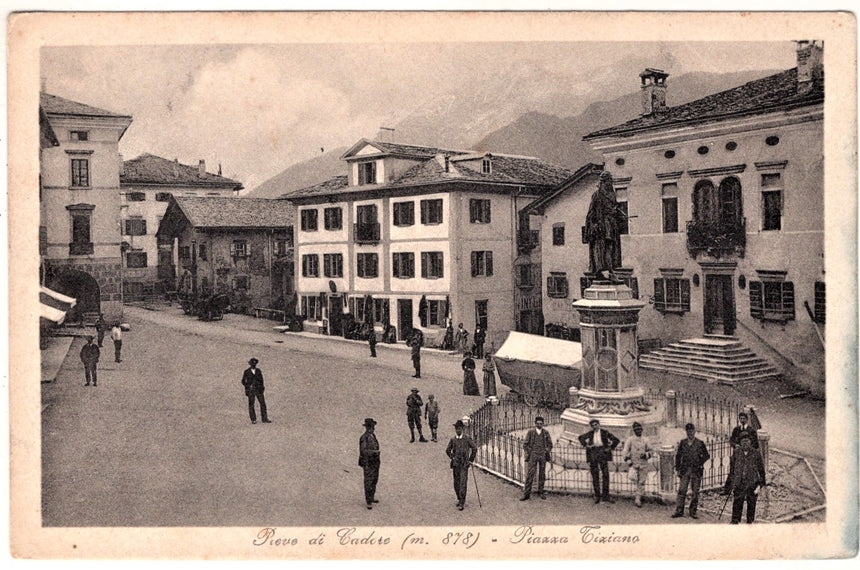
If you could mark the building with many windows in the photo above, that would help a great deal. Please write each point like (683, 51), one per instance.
(146, 185)
(415, 237)
(241, 247)
(79, 200)
(726, 205)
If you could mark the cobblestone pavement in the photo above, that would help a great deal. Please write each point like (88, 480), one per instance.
(165, 439)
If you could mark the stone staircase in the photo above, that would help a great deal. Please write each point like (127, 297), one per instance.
(714, 358)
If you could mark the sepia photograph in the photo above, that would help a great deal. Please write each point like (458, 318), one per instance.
(358, 285)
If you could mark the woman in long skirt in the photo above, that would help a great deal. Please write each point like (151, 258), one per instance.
(470, 384)
(489, 376)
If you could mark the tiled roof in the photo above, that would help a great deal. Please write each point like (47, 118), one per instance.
(47, 136)
(58, 106)
(774, 92)
(517, 169)
(236, 212)
(400, 150)
(327, 187)
(151, 169)
(584, 171)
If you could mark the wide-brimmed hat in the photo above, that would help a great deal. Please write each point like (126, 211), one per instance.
(538, 419)
(253, 361)
(369, 422)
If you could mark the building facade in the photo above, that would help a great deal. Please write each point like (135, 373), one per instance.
(146, 185)
(79, 199)
(241, 247)
(415, 237)
(726, 229)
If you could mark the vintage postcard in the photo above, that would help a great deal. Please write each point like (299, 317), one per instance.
(416, 285)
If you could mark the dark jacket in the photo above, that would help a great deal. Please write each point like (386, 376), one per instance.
(413, 405)
(610, 442)
(691, 456)
(739, 431)
(368, 450)
(253, 382)
(461, 451)
(90, 353)
(537, 446)
(747, 470)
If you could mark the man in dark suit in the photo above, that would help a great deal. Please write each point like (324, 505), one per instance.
(599, 445)
(252, 380)
(537, 447)
(368, 459)
(690, 459)
(461, 450)
(90, 357)
(743, 427)
(416, 356)
(748, 477)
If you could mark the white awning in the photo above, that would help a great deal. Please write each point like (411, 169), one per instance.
(70, 301)
(50, 313)
(541, 349)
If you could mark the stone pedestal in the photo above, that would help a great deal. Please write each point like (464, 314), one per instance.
(610, 392)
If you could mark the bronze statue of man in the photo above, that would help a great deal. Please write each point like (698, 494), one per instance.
(602, 228)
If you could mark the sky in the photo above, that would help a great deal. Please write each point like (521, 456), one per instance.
(257, 109)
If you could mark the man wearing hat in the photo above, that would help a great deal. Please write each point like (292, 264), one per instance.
(743, 428)
(368, 459)
(90, 357)
(748, 477)
(690, 459)
(461, 450)
(252, 380)
(413, 414)
(599, 445)
(637, 452)
(537, 447)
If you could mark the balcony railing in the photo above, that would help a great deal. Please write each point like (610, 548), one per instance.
(80, 248)
(527, 240)
(366, 233)
(717, 238)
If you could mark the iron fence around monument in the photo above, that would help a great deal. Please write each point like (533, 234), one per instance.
(499, 431)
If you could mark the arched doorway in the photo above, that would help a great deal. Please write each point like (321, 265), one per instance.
(83, 287)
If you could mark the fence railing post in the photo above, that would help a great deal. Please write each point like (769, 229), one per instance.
(667, 473)
(671, 409)
(764, 447)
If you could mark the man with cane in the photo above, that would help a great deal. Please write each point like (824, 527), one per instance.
(461, 450)
(748, 478)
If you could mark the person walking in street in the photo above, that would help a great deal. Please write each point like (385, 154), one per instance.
(478, 342)
(371, 341)
(90, 357)
(116, 337)
(368, 460)
(743, 427)
(748, 478)
(101, 328)
(470, 384)
(690, 459)
(415, 343)
(599, 445)
(431, 414)
(461, 451)
(489, 376)
(252, 380)
(448, 340)
(462, 339)
(637, 452)
(538, 448)
(413, 415)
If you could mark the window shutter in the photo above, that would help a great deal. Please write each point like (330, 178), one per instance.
(487, 210)
(564, 286)
(659, 297)
(756, 307)
(474, 264)
(685, 294)
(425, 258)
(125, 228)
(489, 262)
(143, 227)
(788, 300)
(424, 204)
(395, 264)
(473, 214)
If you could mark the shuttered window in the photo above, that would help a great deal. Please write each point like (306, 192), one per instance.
(672, 295)
(482, 263)
(310, 265)
(772, 300)
(479, 211)
(556, 285)
(432, 265)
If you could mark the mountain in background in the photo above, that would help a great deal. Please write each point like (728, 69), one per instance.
(524, 111)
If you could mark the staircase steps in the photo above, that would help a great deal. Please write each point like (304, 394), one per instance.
(718, 359)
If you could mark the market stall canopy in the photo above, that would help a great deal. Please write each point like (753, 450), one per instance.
(540, 349)
(49, 313)
(56, 300)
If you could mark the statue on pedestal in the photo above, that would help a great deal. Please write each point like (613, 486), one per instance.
(602, 229)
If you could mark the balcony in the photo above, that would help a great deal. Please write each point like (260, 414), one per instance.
(527, 240)
(366, 233)
(717, 238)
(80, 248)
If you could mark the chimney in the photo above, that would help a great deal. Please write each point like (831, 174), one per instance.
(653, 91)
(201, 168)
(810, 62)
(176, 168)
(447, 163)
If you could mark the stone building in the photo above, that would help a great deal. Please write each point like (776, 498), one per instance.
(79, 204)
(146, 185)
(241, 247)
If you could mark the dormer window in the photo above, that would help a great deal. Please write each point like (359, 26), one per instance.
(79, 135)
(366, 173)
(487, 165)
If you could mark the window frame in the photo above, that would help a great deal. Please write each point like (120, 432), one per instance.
(367, 265)
(399, 211)
(366, 173)
(333, 218)
(129, 229)
(311, 307)
(482, 263)
(432, 265)
(239, 248)
(311, 265)
(202, 252)
(429, 212)
(558, 236)
(437, 313)
(557, 286)
(769, 191)
(75, 135)
(309, 219)
(763, 294)
(333, 265)
(81, 178)
(679, 287)
(480, 211)
(401, 260)
(139, 253)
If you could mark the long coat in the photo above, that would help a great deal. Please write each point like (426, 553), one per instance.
(253, 382)
(747, 470)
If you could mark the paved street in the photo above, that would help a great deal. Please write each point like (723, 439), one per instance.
(165, 439)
